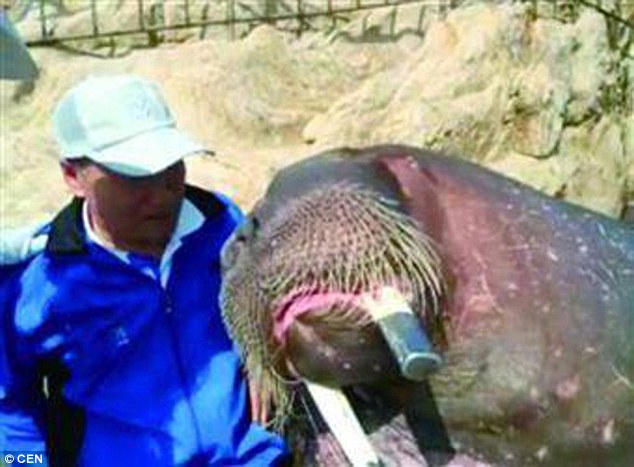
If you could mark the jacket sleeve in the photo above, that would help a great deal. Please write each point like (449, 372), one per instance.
(235, 213)
(20, 402)
(21, 244)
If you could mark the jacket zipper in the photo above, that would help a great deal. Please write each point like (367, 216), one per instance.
(181, 370)
(169, 310)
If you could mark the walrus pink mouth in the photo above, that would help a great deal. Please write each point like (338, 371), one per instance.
(386, 307)
(302, 301)
(298, 303)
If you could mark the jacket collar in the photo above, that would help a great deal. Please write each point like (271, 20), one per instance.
(67, 236)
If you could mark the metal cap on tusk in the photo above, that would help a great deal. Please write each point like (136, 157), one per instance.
(404, 334)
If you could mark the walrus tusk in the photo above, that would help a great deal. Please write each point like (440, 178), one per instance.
(259, 403)
(403, 332)
(342, 421)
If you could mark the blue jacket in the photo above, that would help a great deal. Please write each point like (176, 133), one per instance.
(135, 374)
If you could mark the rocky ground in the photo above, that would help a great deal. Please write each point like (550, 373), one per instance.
(542, 96)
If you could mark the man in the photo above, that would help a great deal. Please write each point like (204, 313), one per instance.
(114, 352)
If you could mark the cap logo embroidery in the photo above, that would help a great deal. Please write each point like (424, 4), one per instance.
(142, 109)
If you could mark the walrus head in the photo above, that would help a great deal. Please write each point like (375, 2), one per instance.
(329, 231)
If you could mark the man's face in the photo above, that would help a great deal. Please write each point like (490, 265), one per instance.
(132, 213)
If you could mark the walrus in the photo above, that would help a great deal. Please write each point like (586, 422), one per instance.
(528, 299)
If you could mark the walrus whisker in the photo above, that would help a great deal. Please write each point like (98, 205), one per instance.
(430, 261)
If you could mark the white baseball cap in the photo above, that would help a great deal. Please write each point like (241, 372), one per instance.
(122, 123)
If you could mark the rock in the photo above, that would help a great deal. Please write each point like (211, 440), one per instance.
(594, 166)
(518, 87)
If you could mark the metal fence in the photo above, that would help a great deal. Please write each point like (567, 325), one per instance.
(151, 19)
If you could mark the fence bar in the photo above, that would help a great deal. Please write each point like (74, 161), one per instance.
(205, 23)
(186, 8)
(94, 18)
(330, 14)
(270, 11)
(140, 13)
(231, 18)
(300, 16)
(43, 19)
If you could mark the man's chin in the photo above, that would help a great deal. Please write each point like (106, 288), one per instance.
(156, 234)
(159, 225)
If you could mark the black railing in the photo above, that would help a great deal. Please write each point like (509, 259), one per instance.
(297, 16)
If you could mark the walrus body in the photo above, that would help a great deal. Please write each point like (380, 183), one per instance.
(534, 317)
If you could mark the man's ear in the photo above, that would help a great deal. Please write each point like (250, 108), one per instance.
(73, 178)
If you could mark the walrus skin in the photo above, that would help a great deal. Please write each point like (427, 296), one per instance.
(538, 308)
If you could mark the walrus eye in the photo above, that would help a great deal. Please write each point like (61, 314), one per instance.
(244, 233)
(247, 230)
(255, 226)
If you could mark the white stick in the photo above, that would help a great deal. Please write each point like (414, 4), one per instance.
(342, 421)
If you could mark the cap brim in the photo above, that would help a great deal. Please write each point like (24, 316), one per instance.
(148, 153)
(15, 60)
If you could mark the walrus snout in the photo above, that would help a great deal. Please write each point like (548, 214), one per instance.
(330, 340)
(350, 338)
